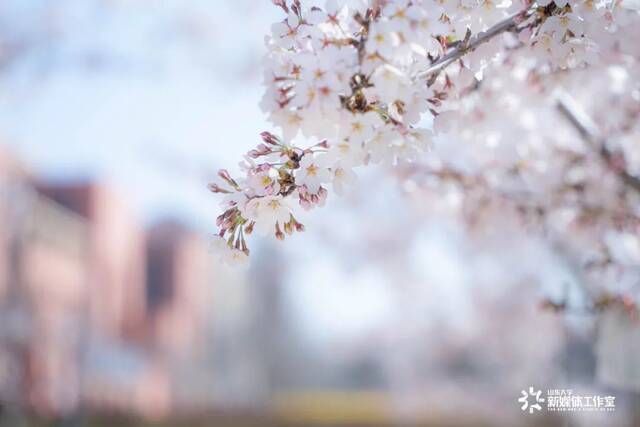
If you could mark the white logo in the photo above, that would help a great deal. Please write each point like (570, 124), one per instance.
(561, 400)
(526, 397)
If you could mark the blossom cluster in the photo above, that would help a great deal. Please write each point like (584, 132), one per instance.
(558, 152)
(362, 80)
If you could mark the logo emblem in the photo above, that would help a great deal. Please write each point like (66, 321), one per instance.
(527, 398)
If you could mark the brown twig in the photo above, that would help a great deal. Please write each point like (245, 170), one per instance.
(471, 43)
(589, 131)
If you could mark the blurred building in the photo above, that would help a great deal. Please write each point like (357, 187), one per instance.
(116, 256)
(44, 298)
(94, 311)
(177, 297)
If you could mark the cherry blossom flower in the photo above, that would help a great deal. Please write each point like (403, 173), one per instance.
(347, 152)
(228, 255)
(343, 176)
(382, 39)
(268, 213)
(313, 172)
(390, 83)
(559, 25)
(359, 128)
(264, 182)
(286, 33)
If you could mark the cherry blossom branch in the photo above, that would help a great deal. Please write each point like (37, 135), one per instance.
(470, 43)
(348, 80)
(588, 130)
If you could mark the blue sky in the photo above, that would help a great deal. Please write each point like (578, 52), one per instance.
(152, 98)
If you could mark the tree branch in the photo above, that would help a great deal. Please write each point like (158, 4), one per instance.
(589, 131)
(472, 43)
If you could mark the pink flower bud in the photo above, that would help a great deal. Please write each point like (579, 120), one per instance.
(227, 223)
(249, 228)
(224, 174)
(322, 196)
(282, 4)
(270, 138)
(215, 188)
(263, 149)
(288, 228)
(305, 204)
